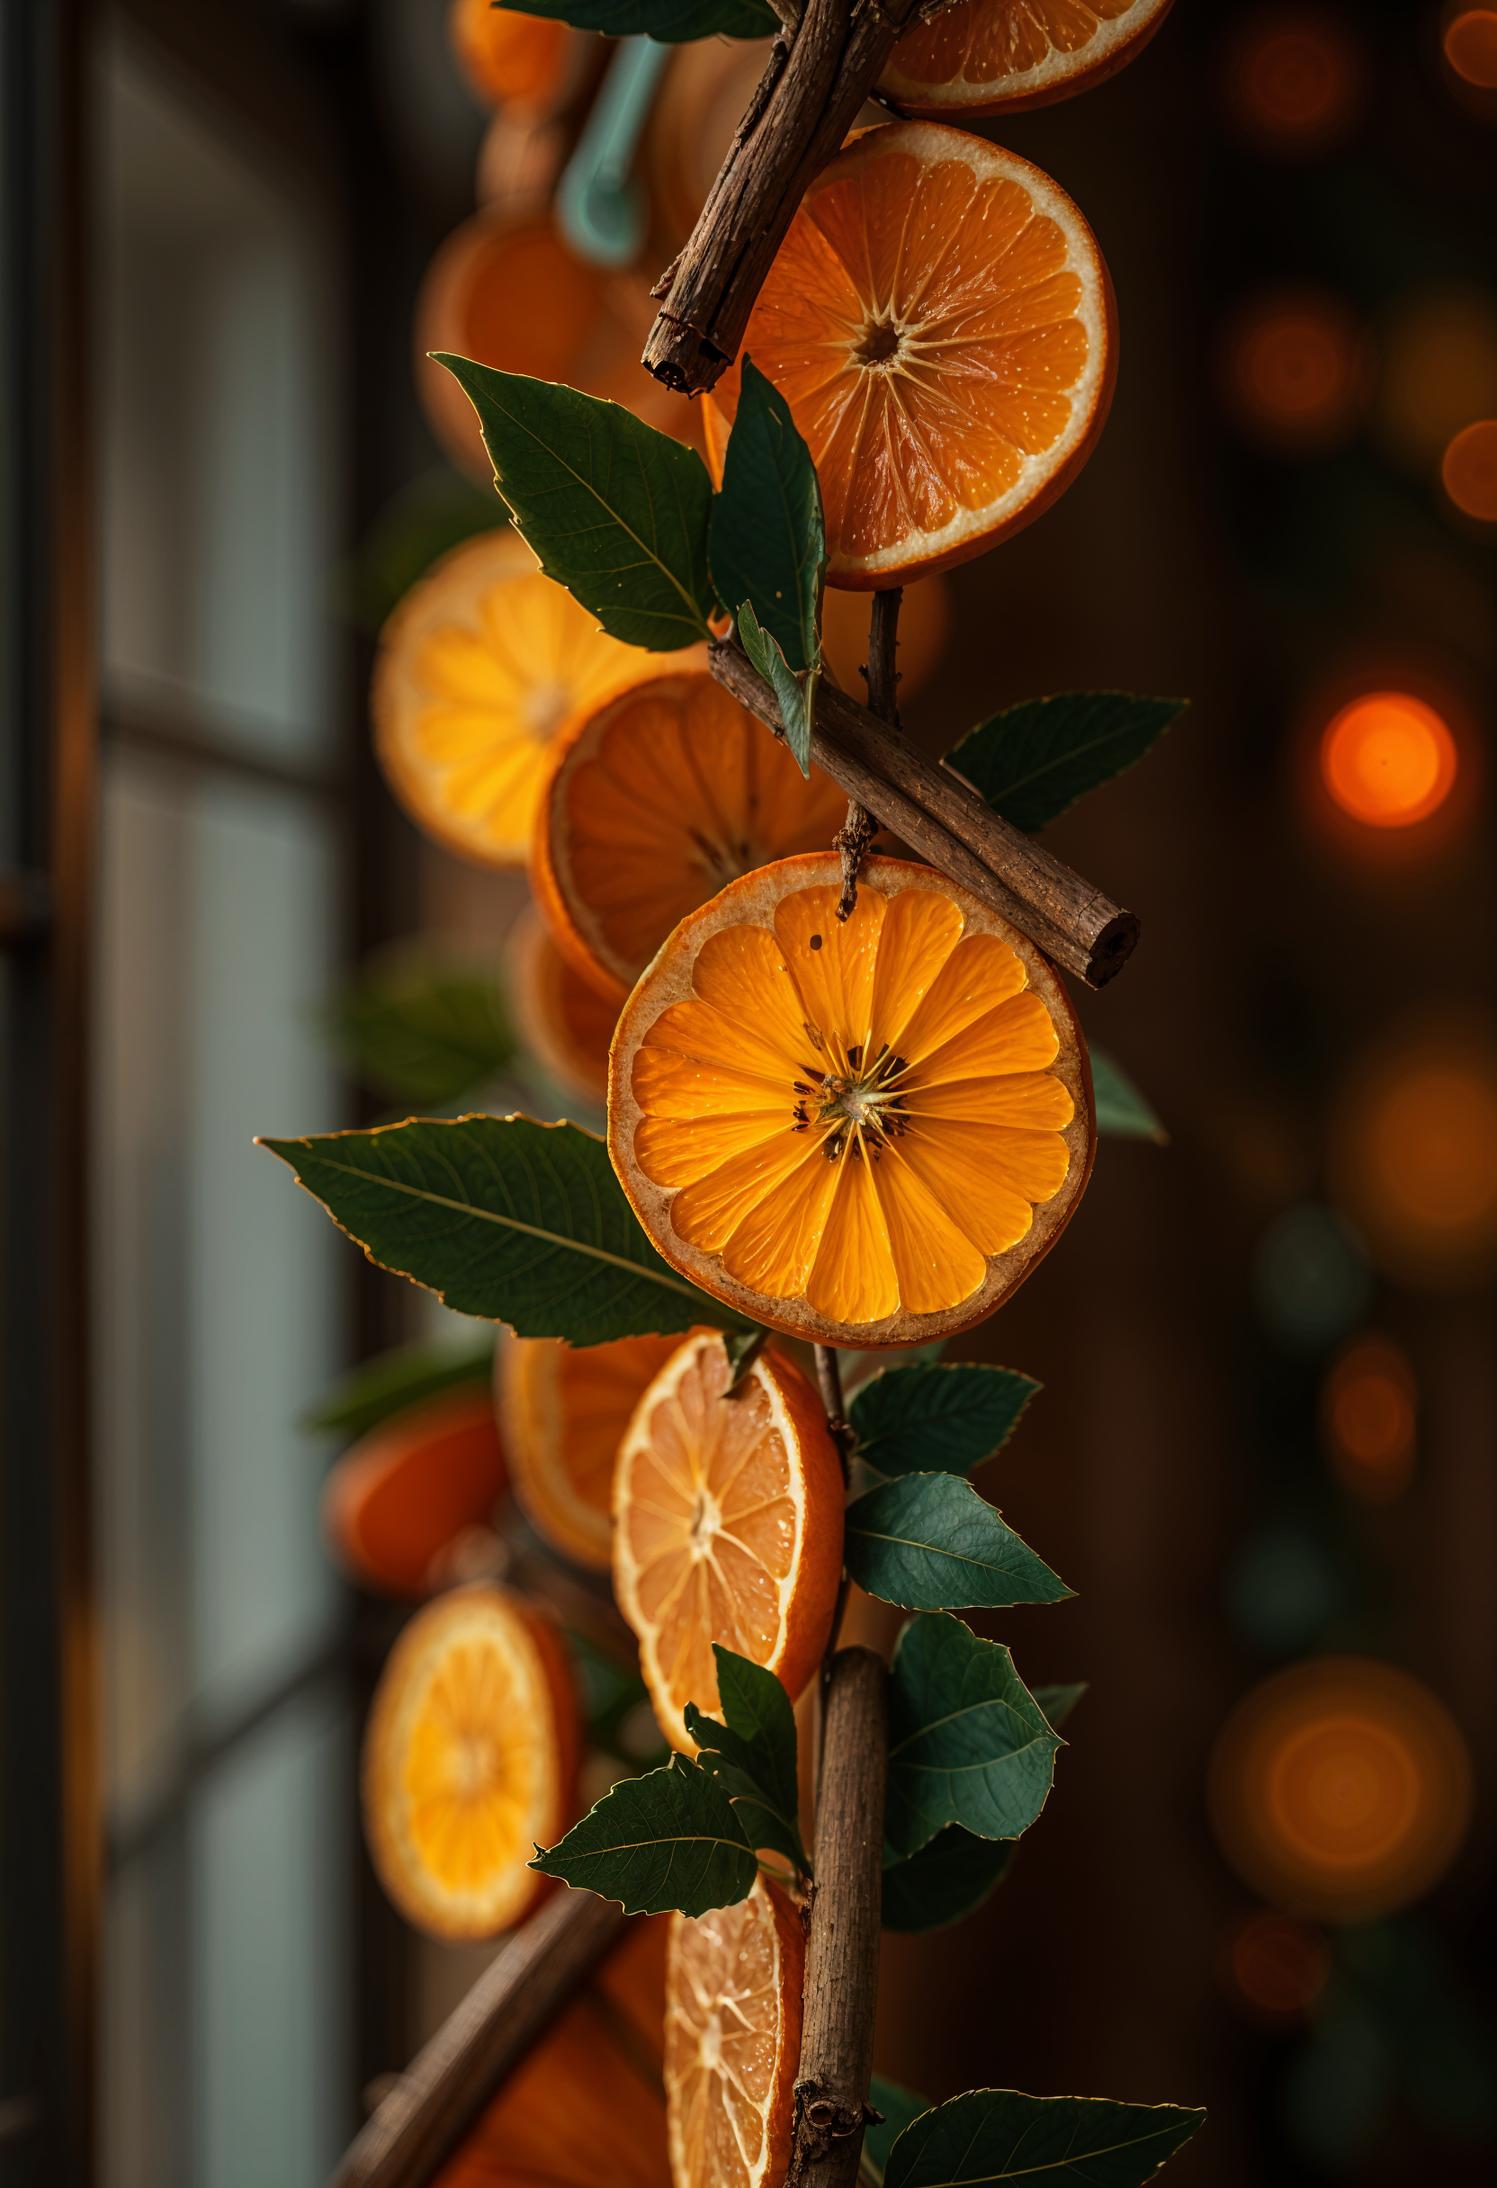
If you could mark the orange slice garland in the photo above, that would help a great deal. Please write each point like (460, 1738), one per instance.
(470, 1762)
(403, 1494)
(727, 1526)
(865, 1133)
(941, 323)
(567, 1025)
(994, 56)
(732, 2041)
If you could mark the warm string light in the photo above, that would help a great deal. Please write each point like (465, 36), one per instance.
(1369, 1419)
(1438, 370)
(1470, 46)
(1296, 369)
(1275, 1966)
(1387, 759)
(1294, 80)
(1415, 1155)
(1468, 470)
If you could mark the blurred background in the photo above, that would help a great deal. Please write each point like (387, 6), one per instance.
(1264, 1450)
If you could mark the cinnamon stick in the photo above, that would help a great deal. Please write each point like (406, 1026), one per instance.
(950, 826)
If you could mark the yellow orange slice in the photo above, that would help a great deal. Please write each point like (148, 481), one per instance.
(565, 1409)
(865, 1133)
(470, 1762)
(404, 1493)
(655, 800)
(479, 667)
(992, 56)
(727, 1526)
(732, 2041)
(939, 320)
(563, 1020)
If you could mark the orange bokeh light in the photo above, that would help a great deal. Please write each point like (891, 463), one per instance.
(1296, 368)
(1295, 79)
(1468, 470)
(1369, 1418)
(1340, 1789)
(1471, 47)
(1276, 1966)
(1388, 759)
(1415, 1155)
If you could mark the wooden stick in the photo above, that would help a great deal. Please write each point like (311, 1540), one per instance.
(807, 100)
(949, 825)
(836, 2052)
(434, 2104)
(882, 678)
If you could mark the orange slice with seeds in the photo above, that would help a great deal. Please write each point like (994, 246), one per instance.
(865, 1133)
(940, 322)
(659, 797)
(564, 1022)
(470, 1762)
(565, 1409)
(993, 56)
(732, 2041)
(727, 1526)
(403, 1494)
(479, 667)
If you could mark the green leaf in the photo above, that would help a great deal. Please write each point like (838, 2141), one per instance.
(743, 1348)
(990, 2136)
(968, 1743)
(929, 1542)
(1034, 760)
(795, 695)
(613, 510)
(670, 22)
(520, 1222)
(899, 2107)
(767, 541)
(416, 1031)
(379, 1388)
(667, 1839)
(937, 1419)
(950, 1876)
(751, 1753)
(1121, 1109)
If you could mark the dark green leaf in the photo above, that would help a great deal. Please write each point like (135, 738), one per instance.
(751, 1753)
(899, 2107)
(612, 509)
(1121, 1109)
(990, 2136)
(743, 1348)
(669, 21)
(937, 1419)
(387, 1384)
(668, 1839)
(421, 1032)
(929, 1542)
(767, 542)
(795, 695)
(520, 1222)
(968, 1743)
(1035, 759)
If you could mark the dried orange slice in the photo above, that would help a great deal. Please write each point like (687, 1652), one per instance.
(940, 322)
(512, 59)
(863, 1134)
(993, 56)
(564, 1022)
(727, 1526)
(479, 667)
(655, 800)
(565, 1409)
(732, 2041)
(402, 1495)
(470, 1762)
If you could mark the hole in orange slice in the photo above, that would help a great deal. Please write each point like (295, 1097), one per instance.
(655, 801)
(480, 666)
(562, 1019)
(732, 2041)
(862, 1134)
(727, 1526)
(470, 1762)
(989, 380)
(565, 1409)
(403, 1494)
(993, 56)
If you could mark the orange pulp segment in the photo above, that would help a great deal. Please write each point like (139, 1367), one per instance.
(400, 1496)
(727, 1526)
(939, 320)
(992, 56)
(732, 2041)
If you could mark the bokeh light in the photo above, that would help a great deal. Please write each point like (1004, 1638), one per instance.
(1369, 1418)
(1388, 759)
(1340, 1789)
(1438, 371)
(1311, 1281)
(1294, 79)
(1415, 1154)
(1296, 369)
(1275, 1966)
(1471, 47)
(1468, 470)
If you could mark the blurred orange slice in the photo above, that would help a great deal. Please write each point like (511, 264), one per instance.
(562, 1019)
(992, 56)
(403, 1494)
(924, 627)
(732, 2041)
(470, 1762)
(513, 59)
(727, 1526)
